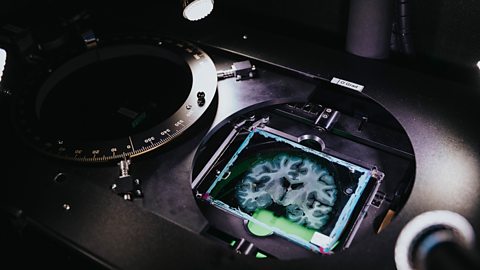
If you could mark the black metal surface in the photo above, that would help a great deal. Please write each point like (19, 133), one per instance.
(438, 116)
(451, 256)
(429, 110)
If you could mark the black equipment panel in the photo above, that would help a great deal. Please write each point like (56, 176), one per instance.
(66, 163)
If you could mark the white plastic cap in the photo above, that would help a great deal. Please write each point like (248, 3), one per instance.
(3, 60)
(198, 9)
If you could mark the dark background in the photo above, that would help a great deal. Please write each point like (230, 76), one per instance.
(445, 34)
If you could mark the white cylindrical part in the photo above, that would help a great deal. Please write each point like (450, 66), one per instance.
(197, 9)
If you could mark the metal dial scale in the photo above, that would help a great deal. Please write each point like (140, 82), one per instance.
(128, 143)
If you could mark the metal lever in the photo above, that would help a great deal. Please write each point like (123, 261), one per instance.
(125, 185)
(240, 70)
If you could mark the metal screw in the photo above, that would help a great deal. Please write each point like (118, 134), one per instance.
(5, 92)
(349, 191)
(325, 115)
(59, 178)
(328, 110)
(136, 181)
(124, 167)
(189, 107)
(66, 206)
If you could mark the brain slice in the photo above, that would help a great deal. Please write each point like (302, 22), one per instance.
(304, 187)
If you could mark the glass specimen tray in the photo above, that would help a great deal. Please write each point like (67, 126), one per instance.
(278, 186)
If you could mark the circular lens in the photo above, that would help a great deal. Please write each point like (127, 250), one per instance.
(115, 97)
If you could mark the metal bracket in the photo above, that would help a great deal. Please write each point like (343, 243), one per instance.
(125, 185)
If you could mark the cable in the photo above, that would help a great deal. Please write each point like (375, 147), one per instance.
(401, 39)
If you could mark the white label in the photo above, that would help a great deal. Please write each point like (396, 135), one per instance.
(3, 60)
(320, 240)
(347, 84)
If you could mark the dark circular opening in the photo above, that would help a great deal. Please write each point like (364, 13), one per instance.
(313, 142)
(113, 98)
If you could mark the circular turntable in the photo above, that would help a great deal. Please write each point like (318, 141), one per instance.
(121, 98)
(301, 180)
